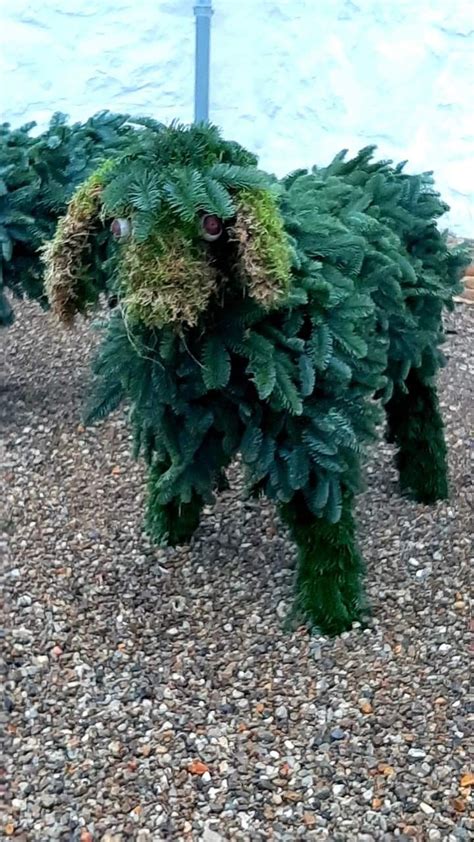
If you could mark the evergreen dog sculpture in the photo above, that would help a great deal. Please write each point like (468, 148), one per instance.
(267, 318)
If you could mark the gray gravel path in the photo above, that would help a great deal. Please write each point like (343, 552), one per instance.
(158, 695)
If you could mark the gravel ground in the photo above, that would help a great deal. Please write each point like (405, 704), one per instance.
(159, 695)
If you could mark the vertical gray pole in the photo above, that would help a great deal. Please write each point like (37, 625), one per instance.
(203, 12)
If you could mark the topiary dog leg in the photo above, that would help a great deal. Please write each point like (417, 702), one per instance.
(417, 429)
(330, 566)
(174, 523)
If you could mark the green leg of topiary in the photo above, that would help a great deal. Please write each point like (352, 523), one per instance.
(330, 567)
(174, 523)
(416, 427)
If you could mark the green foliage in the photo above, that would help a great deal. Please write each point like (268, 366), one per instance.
(412, 273)
(185, 171)
(216, 363)
(179, 426)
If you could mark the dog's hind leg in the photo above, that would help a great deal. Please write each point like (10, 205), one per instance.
(417, 430)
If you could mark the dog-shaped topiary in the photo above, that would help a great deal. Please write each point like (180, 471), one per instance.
(267, 318)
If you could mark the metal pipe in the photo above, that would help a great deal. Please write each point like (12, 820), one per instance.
(202, 12)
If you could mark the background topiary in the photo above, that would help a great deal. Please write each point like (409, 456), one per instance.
(38, 175)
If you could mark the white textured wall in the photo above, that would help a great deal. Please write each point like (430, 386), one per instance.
(294, 80)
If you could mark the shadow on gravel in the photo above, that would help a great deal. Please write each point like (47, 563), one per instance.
(27, 402)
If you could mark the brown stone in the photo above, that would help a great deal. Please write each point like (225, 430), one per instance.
(470, 271)
(410, 830)
(386, 770)
(197, 767)
(309, 819)
(469, 281)
(291, 795)
(459, 805)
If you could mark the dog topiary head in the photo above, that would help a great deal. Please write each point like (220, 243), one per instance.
(180, 220)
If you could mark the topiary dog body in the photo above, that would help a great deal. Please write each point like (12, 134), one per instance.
(270, 319)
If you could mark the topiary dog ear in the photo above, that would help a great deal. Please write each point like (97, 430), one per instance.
(69, 283)
(264, 255)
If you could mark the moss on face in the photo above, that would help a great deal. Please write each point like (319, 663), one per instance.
(65, 257)
(166, 279)
(264, 254)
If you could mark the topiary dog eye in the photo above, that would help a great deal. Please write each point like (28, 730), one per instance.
(120, 229)
(211, 227)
